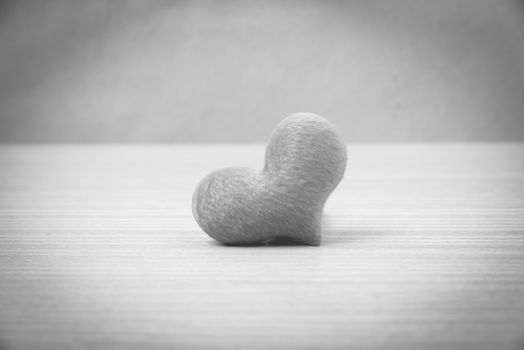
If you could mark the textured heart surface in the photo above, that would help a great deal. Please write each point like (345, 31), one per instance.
(304, 162)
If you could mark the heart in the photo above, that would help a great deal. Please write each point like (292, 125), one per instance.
(304, 162)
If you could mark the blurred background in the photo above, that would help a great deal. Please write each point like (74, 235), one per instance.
(228, 71)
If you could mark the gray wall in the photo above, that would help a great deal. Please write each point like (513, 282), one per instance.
(123, 71)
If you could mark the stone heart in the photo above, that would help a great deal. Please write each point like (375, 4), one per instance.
(305, 160)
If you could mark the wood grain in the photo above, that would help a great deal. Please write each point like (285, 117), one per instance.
(423, 248)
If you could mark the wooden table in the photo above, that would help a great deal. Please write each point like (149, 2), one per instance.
(423, 248)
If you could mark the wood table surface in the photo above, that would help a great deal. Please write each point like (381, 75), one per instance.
(423, 248)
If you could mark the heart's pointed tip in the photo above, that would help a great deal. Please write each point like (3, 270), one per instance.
(312, 241)
(314, 244)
